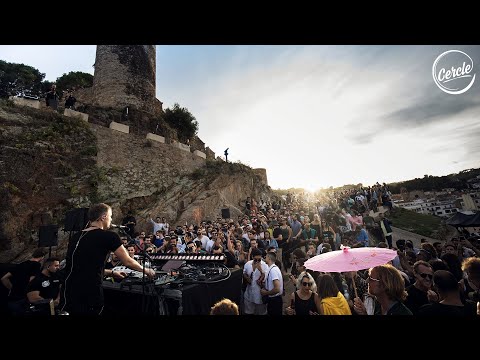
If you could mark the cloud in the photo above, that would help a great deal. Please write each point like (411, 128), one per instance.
(432, 107)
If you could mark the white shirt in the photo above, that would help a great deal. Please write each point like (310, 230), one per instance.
(203, 239)
(272, 274)
(209, 246)
(252, 293)
(156, 226)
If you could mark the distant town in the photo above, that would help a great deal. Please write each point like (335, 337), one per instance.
(443, 203)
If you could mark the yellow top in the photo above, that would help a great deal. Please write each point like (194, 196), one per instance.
(335, 305)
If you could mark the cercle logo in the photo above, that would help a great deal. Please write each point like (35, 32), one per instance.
(452, 72)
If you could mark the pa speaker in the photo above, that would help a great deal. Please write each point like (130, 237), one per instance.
(226, 213)
(48, 236)
(76, 219)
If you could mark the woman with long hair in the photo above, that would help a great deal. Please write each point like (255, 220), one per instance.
(331, 301)
(387, 285)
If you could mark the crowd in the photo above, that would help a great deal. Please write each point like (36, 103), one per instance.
(275, 237)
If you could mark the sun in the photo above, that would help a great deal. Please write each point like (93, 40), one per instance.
(311, 188)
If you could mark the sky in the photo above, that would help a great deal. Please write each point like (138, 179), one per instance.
(313, 116)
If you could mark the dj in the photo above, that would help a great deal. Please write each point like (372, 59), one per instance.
(85, 263)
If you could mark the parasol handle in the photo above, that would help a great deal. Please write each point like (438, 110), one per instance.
(354, 287)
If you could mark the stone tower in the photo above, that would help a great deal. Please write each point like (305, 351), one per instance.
(262, 173)
(125, 76)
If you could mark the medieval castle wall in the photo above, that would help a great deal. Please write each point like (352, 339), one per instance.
(125, 76)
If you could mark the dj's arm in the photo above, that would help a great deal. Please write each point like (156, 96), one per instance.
(126, 260)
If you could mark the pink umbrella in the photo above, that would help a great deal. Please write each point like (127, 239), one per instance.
(348, 259)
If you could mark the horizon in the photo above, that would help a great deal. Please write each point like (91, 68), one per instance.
(312, 116)
(367, 185)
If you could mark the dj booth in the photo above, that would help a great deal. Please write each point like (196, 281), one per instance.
(136, 297)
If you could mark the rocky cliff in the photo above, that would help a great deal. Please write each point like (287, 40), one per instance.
(46, 163)
(200, 195)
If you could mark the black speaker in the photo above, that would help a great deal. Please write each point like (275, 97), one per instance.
(226, 213)
(76, 219)
(48, 236)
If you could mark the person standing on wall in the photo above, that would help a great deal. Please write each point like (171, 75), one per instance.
(70, 102)
(52, 98)
(85, 263)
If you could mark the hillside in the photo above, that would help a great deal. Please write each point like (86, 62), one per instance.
(422, 224)
(457, 181)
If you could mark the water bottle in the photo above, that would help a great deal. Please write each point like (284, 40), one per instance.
(369, 303)
(147, 264)
(345, 290)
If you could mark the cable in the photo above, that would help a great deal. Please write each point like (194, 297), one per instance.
(71, 270)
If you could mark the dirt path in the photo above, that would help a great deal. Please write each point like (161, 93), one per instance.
(407, 235)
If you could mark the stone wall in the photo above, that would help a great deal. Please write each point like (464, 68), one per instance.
(25, 102)
(210, 154)
(125, 76)
(197, 144)
(84, 97)
(262, 173)
(138, 167)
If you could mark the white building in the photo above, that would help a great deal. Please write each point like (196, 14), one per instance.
(444, 208)
(472, 202)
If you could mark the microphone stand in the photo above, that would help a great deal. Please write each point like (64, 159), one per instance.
(145, 256)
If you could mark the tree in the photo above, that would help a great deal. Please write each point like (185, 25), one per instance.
(74, 80)
(19, 79)
(183, 121)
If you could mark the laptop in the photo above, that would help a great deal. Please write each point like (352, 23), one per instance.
(172, 264)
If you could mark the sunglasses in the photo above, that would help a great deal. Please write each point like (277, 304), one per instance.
(430, 276)
(257, 260)
(373, 279)
(306, 283)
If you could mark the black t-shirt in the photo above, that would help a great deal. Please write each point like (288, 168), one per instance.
(415, 299)
(21, 277)
(48, 286)
(86, 256)
(230, 260)
(437, 309)
(303, 307)
(277, 231)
